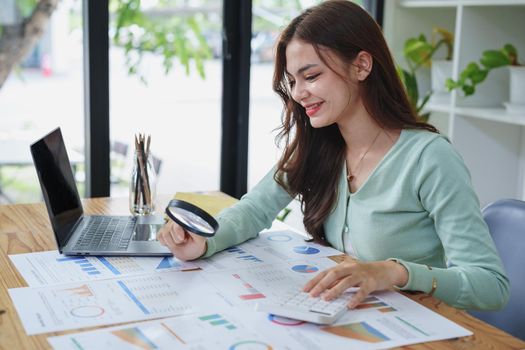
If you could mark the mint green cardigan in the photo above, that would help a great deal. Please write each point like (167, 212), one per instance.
(417, 206)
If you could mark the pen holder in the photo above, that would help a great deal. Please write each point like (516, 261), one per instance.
(142, 190)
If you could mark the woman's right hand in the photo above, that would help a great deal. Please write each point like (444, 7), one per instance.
(183, 244)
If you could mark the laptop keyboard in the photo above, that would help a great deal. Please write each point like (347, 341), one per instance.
(106, 233)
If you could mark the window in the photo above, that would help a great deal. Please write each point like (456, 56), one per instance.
(44, 92)
(181, 112)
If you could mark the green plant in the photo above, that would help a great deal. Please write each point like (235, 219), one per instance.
(410, 82)
(475, 74)
(418, 52)
(169, 29)
(172, 37)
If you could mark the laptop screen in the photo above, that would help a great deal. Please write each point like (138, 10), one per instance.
(57, 183)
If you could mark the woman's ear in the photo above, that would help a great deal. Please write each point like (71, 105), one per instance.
(363, 63)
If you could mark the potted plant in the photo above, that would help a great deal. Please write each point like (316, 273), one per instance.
(418, 53)
(474, 74)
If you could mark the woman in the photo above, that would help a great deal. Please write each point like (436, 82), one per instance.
(373, 180)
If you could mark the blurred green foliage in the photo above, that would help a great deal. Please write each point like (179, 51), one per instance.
(25, 7)
(418, 52)
(474, 73)
(174, 36)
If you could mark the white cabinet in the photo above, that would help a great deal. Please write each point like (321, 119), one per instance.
(490, 140)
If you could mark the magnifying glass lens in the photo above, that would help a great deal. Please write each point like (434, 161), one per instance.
(191, 219)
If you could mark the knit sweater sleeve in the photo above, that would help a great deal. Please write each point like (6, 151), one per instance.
(474, 277)
(254, 212)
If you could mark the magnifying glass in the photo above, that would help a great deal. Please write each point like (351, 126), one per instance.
(192, 218)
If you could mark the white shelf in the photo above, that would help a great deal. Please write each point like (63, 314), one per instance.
(438, 107)
(490, 140)
(493, 114)
(429, 3)
(499, 115)
(456, 3)
(491, 3)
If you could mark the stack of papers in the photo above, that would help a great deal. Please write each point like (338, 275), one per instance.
(207, 304)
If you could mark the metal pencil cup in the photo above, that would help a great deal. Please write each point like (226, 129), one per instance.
(142, 190)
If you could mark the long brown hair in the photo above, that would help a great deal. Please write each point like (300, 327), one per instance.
(313, 158)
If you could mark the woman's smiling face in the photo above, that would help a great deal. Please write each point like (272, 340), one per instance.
(325, 95)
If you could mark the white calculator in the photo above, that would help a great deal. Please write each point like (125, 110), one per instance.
(299, 305)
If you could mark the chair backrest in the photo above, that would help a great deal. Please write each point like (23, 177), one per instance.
(506, 221)
(119, 148)
(120, 167)
(157, 164)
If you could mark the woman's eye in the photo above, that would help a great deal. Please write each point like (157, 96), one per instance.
(312, 77)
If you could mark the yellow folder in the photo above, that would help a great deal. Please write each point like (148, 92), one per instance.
(211, 202)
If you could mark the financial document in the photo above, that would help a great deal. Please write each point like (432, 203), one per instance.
(270, 247)
(247, 286)
(209, 330)
(51, 267)
(210, 306)
(384, 320)
(94, 303)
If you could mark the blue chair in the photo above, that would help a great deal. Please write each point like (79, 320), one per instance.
(506, 221)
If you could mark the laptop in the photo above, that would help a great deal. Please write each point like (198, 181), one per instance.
(79, 234)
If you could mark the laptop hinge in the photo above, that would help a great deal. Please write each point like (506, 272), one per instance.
(73, 230)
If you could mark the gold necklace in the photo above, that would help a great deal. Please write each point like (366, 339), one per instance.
(351, 177)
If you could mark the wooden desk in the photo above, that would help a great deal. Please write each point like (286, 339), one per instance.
(25, 228)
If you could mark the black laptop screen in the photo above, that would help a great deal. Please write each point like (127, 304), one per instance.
(57, 183)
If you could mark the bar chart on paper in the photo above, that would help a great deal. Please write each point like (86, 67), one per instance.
(61, 307)
(250, 285)
(358, 331)
(201, 331)
(232, 258)
(51, 267)
(171, 263)
(374, 303)
(242, 254)
(251, 293)
(84, 265)
(217, 320)
(269, 247)
(134, 336)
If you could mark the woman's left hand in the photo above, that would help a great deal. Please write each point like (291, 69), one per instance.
(368, 276)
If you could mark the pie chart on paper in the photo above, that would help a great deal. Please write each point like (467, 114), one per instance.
(305, 268)
(304, 249)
